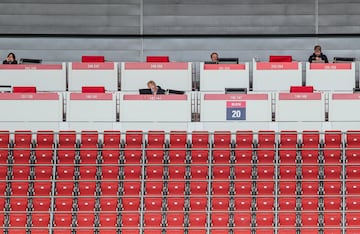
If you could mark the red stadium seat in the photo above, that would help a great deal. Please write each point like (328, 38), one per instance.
(309, 219)
(175, 204)
(198, 188)
(111, 172)
(220, 188)
(64, 188)
(111, 147)
(288, 172)
(154, 188)
(310, 187)
(18, 204)
(265, 187)
(197, 219)
(288, 147)
(4, 146)
(176, 172)
(177, 147)
(243, 188)
(87, 188)
(40, 220)
(219, 220)
(244, 146)
(332, 203)
(109, 188)
(310, 173)
(287, 188)
(264, 219)
(332, 188)
(176, 188)
(287, 219)
(85, 220)
(264, 204)
(243, 204)
(130, 219)
(198, 203)
(242, 220)
(131, 172)
(64, 204)
(41, 204)
(154, 172)
(174, 220)
(199, 172)
(131, 188)
(309, 203)
(287, 203)
(66, 147)
(353, 219)
(153, 203)
(243, 172)
(265, 172)
(133, 147)
(108, 204)
(86, 203)
(332, 219)
(44, 147)
(220, 203)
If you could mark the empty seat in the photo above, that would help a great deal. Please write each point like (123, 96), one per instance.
(64, 204)
(110, 172)
(131, 188)
(221, 172)
(309, 219)
(243, 172)
(264, 219)
(154, 188)
(352, 187)
(66, 147)
(265, 172)
(64, 188)
(177, 147)
(198, 203)
(353, 219)
(40, 220)
(154, 172)
(220, 203)
(332, 150)
(197, 219)
(287, 219)
(288, 172)
(265, 187)
(352, 172)
(65, 172)
(176, 172)
(309, 203)
(22, 145)
(85, 220)
(219, 220)
(4, 146)
(242, 220)
(332, 203)
(198, 188)
(18, 204)
(133, 146)
(332, 219)
(44, 147)
(242, 203)
(109, 188)
(288, 147)
(310, 187)
(175, 204)
(264, 204)
(287, 203)
(352, 203)
(155, 147)
(153, 203)
(332, 188)
(86, 203)
(176, 188)
(243, 188)
(310, 172)
(220, 188)
(43, 172)
(86, 188)
(174, 220)
(199, 172)
(130, 219)
(244, 146)
(41, 204)
(287, 188)
(108, 204)
(111, 147)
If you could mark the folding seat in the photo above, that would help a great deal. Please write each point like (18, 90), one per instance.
(108, 204)
(310, 187)
(21, 154)
(85, 220)
(243, 188)
(175, 204)
(3, 171)
(110, 172)
(222, 144)
(352, 156)
(310, 157)
(41, 204)
(177, 147)
(199, 172)
(130, 219)
(265, 204)
(43, 172)
(65, 172)
(310, 147)
(87, 188)
(288, 172)
(199, 157)
(287, 230)
(19, 188)
(66, 147)
(155, 147)
(18, 204)
(266, 139)
(310, 203)
(153, 203)
(287, 219)
(264, 219)
(64, 204)
(111, 147)
(352, 203)
(197, 219)
(64, 188)
(152, 219)
(352, 172)
(107, 220)
(221, 156)
(44, 147)
(40, 220)
(4, 146)
(198, 188)
(265, 188)
(86, 204)
(221, 172)
(265, 156)
(287, 188)
(332, 219)
(220, 188)
(17, 220)
(198, 203)
(154, 172)
(309, 219)
(332, 150)
(133, 146)
(243, 172)
(242, 220)
(310, 172)
(176, 188)
(200, 147)
(87, 172)
(154, 188)
(20, 172)
(244, 146)
(288, 147)
(287, 203)
(176, 172)
(242, 203)
(174, 220)
(352, 188)
(332, 203)
(332, 188)
(131, 172)
(265, 172)
(219, 219)
(89, 147)
(333, 231)
(131, 188)
(241, 230)
(353, 219)
(220, 203)
(109, 188)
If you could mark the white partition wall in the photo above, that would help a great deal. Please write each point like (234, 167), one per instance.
(300, 107)
(331, 77)
(31, 107)
(46, 77)
(344, 107)
(217, 77)
(276, 76)
(148, 108)
(93, 74)
(235, 107)
(96, 107)
(173, 75)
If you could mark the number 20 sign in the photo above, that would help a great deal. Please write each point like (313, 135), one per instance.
(236, 110)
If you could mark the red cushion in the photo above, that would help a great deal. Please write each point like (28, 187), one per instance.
(24, 89)
(93, 59)
(157, 59)
(280, 58)
(93, 89)
(301, 89)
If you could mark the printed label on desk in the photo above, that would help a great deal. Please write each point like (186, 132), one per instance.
(235, 110)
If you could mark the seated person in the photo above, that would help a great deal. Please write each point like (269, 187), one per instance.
(155, 89)
(10, 59)
(214, 57)
(318, 56)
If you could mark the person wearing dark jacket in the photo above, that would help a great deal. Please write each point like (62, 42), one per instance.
(155, 89)
(318, 56)
(10, 59)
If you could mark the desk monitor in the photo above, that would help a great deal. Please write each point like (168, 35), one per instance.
(229, 60)
(5, 88)
(210, 62)
(235, 90)
(145, 91)
(172, 91)
(343, 60)
(356, 90)
(30, 61)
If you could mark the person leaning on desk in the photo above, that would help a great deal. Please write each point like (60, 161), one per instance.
(318, 56)
(10, 59)
(155, 89)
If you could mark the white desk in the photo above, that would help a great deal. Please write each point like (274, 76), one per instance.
(344, 107)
